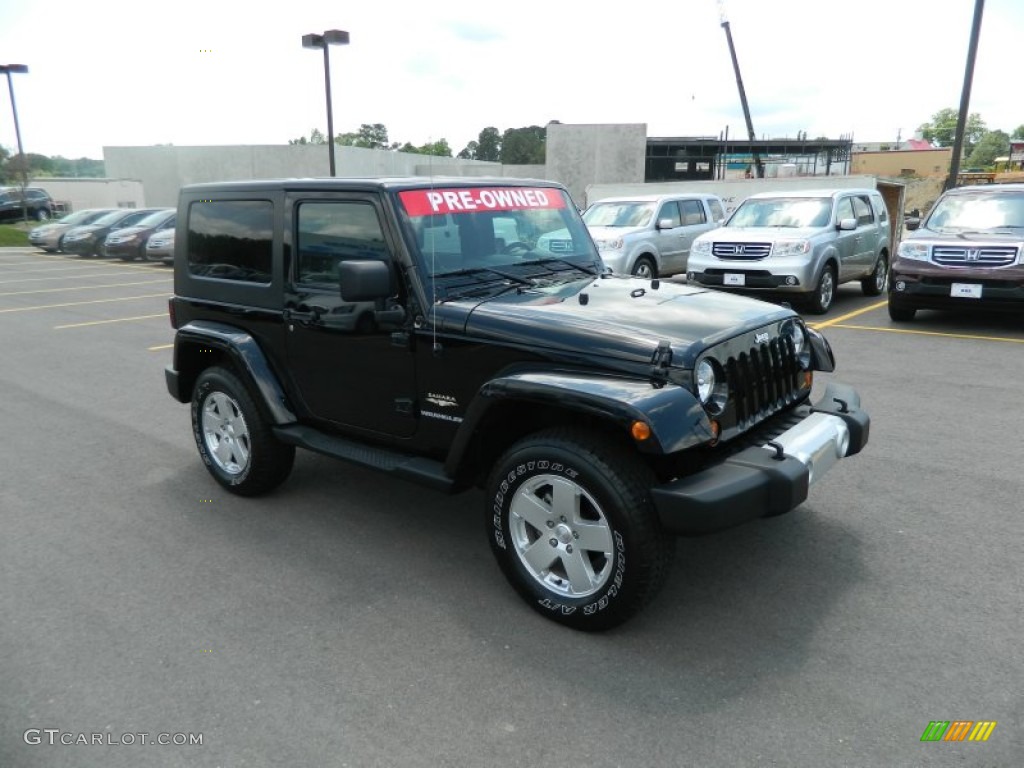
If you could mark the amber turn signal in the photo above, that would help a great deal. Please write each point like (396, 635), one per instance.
(640, 430)
(808, 379)
(716, 430)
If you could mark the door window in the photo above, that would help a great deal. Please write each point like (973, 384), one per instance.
(331, 232)
(693, 212)
(844, 210)
(862, 209)
(669, 211)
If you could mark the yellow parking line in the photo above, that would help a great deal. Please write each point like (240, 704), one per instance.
(103, 322)
(848, 315)
(82, 303)
(160, 346)
(972, 336)
(84, 287)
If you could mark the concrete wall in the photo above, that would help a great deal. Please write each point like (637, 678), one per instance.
(163, 170)
(914, 162)
(78, 194)
(579, 155)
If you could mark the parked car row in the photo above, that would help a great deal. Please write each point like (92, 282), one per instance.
(114, 232)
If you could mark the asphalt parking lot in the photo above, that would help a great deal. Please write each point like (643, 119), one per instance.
(354, 620)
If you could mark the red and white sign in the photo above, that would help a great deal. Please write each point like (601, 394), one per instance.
(425, 202)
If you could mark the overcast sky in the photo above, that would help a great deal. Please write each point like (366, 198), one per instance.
(106, 73)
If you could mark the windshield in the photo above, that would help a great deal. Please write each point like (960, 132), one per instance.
(978, 211)
(154, 219)
(794, 212)
(111, 218)
(619, 214)
(474, 239)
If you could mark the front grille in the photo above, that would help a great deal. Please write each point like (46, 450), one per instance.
(763, 379)
(965, 256)
(741, 250)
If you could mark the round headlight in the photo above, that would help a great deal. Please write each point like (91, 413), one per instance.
(798, 336)
(705, 381)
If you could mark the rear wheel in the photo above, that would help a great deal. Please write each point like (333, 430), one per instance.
(573, 527)
(234, 438)
(645, 268)
(875, 283)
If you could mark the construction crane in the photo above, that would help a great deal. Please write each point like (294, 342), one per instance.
(758, 165)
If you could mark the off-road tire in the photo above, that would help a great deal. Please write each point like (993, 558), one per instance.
(234, 438)
(591, 498)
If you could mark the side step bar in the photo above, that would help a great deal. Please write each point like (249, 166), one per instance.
(416, 468)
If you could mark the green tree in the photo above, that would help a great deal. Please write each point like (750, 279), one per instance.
(369, 136)
(469, 151)
(941, 129)
(1018, 133)
(316, 136)
(991, 145)
(524, 146)
(437, 148)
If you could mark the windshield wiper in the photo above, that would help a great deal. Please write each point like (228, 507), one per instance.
(559, 260)
(492, 270)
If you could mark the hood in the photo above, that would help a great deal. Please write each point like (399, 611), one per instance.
(128, 231)
(964, 238)
(755, 234)
(613, 317)
(610, 233)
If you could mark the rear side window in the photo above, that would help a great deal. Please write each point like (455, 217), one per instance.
(693, 212)
(231, 239)
(716, 210)
(330, 232)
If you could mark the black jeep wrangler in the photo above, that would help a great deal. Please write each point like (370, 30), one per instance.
(465, 333)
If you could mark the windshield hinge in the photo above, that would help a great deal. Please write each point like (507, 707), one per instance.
(661, 361)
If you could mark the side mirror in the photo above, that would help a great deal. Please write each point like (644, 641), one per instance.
(847, 224)
(367, 280)
(665, 224)
(912, 224)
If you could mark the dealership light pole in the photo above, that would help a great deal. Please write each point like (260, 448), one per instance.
(7, 69)
(965, 96)
(325, 41)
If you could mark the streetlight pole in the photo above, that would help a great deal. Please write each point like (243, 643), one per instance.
(328, 38)
(7, 69)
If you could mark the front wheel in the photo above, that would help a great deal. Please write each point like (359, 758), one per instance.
(573, 527)
(234, 439)
(645, 268)
(825, 291)
(900, 313)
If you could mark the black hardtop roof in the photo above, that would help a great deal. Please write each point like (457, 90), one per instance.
(388, 183)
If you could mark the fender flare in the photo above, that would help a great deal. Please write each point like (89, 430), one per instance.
(677, 420)
(244, 352)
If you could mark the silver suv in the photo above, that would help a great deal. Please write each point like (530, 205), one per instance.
(805, 242)
(647, 235)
